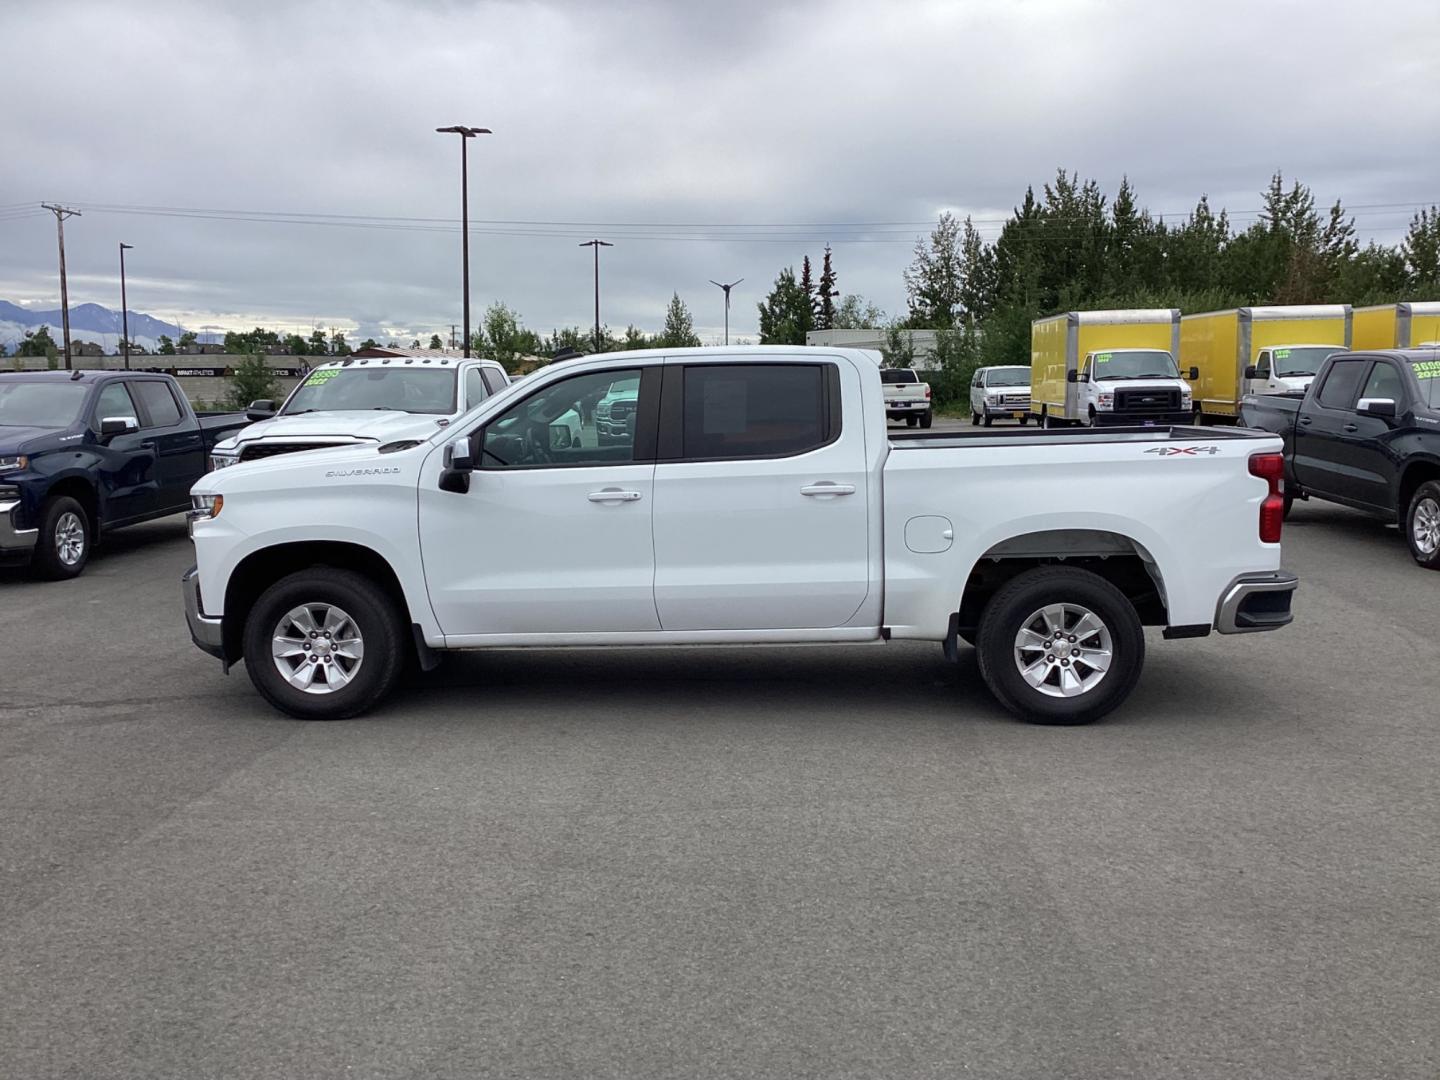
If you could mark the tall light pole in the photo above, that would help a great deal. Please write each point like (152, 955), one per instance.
(597, 245)
(124, 308)
(727, 289)
(466, 134)
(61, 213)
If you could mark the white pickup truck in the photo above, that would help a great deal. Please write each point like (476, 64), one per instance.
(907, 396)
(363, 402)
(756, 499)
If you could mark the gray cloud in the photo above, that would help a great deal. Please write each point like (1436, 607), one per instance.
(658, 112)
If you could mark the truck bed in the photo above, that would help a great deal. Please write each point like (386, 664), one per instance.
(929, 440)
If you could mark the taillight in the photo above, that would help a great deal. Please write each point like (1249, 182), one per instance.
(1270, 467)
(927, 393)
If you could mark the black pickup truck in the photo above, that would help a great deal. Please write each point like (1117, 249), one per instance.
(85, 452)
(1367, 435)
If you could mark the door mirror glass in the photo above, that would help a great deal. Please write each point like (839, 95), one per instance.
(1252, 372)
(260, 409)
(1382, 407)
(1072, 376)
(110, 426)
(1194, 373)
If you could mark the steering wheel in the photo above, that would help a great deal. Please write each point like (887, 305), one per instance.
(536, 448)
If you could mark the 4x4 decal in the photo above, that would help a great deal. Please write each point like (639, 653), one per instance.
(1179, 451)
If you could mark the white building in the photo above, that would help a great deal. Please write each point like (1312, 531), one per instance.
(921, 341)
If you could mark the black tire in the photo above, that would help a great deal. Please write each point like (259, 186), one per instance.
(1090, 418)
(974, 419)
(911, 421)
(381, 630)
(926, 419)
(1024, 420)
(1007, 614)
(1428, 495)
(989, 419)
(1289, 500)
(59, 512)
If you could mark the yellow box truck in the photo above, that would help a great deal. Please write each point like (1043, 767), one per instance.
(1108, 367)
(1397, 326)
(1259, 350)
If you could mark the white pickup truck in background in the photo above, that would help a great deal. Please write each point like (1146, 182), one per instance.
(755, 499)
(363, 402)
(907, 396)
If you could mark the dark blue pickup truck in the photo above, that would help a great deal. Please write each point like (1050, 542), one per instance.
(85, 452)
(1366, 434)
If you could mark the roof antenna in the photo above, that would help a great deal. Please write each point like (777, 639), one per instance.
(76, 374)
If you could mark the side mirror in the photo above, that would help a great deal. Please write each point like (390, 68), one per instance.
(1072, 375)
(1194, 373)
(260, 409)
(1382, 407)
(110, 426)
(1251, 371)
(458, 465)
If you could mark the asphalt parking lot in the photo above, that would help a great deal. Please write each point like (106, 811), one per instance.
(817, 862)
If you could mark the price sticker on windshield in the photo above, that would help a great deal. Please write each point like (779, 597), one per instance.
(1102, 358)
(1426, 369)
(1282, 354)
(320, 378)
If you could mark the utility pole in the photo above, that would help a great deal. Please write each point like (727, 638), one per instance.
(452, 335)
(61, 213)
(727, 289)
(466, 134)
(124, 310)
(597, 245)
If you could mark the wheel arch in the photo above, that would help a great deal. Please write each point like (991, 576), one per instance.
(260, 569)
(1416, 473)
(78, 487)
(1120, 559)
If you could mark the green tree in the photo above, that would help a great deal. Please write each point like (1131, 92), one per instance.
(435, 342)
(898, 351)
(679, 332)
(503, 338)
(1421, 251)
(807, 286)
(187, 338)
(637, 339)
(338, 345)
(38, 343)
(318, 345)
(857, 313)
(251, 380)
(825, 294)
(785, 314)
(369, 343)
(167, 347)
(933, 278)
(295, 345)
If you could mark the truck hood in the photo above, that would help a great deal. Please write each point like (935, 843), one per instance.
(1108, 385)
(268, 474)
(21, 440)
(382, 426)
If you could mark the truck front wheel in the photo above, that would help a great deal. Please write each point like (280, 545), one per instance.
(63, 546)
(324, 644)
(1057, 645)
(1422, 525)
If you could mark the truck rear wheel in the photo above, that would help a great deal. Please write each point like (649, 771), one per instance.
(63, 546)
(926, 418)
(1057, 645)
(1422, 525)
(324, 644)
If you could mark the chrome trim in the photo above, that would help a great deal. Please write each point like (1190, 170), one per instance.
(11, 538)
(1227, 610)
(208, 633)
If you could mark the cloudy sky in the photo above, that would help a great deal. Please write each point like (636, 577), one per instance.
(707, 140)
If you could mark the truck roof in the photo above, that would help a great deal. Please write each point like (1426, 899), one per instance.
(1116, 315)
(401, 361)
(1281, 311)
(732, 352)
(80, 375)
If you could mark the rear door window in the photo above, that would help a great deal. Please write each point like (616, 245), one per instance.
(158, 403)
(1341, 384)
(756, 410)
(494, 381)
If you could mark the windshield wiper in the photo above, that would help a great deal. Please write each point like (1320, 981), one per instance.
(296, 412)
(1295, 374)
(1158, 375)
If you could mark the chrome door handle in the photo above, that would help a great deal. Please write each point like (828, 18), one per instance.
(1351, 427)
(613, 495)
(825, 487)
(1304, 419)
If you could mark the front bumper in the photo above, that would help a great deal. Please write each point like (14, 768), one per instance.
(1143, 419)
(1256, 602)
(15, 542)
(208, 633)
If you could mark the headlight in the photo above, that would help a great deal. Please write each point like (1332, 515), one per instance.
(11, 464)
(1105, 401)
(219, 459)
(205, 506)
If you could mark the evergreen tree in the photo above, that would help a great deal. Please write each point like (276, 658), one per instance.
(933, 279)
(679, 332)
(1421, 252)
(435, 342)
(826, 294)
(807, 286)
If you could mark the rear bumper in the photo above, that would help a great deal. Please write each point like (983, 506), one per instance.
(1256, 602)
(15, 542)
(207, 632)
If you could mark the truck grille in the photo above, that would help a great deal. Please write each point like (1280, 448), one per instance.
(1015, 401)
(1147, 401)
(264, 450)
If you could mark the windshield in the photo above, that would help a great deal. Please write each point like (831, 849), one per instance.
(1135, 364)
(1427, 373)
(898, 375)
(1008, 376)
(1296, 361)
(405, 389)
(40, 404)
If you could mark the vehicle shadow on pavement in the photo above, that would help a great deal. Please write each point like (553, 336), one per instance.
(121, 544)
